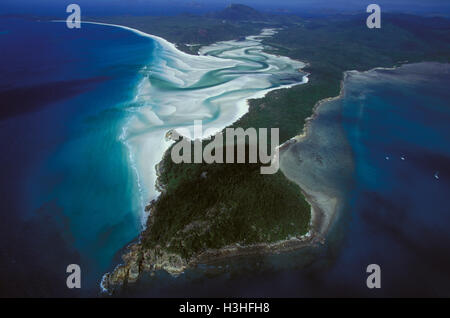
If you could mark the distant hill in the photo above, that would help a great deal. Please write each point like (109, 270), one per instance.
(238, 12)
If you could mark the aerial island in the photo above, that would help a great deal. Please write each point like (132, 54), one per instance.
(207, 212)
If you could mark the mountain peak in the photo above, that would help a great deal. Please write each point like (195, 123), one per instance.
(238, 6)
(239, 12)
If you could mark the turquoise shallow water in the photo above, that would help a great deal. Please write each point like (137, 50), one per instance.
(71, 195)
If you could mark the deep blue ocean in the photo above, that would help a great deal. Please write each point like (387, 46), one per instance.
(398, 125)
(66, 187)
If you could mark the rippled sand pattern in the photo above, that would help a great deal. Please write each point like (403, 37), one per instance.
(178, 88)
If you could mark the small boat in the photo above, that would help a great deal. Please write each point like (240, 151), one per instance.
(403, 158)
(387, 158)
(436, 175)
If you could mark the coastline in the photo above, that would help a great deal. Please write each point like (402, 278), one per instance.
(324, 211)
(144, 154)
(323, 206)
(77, 187)
(315, 200)
(136, 260)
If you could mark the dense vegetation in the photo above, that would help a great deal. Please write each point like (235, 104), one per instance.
(334, 45)
(215, 205)
(234, 203)
(187, 29)
(190, 32)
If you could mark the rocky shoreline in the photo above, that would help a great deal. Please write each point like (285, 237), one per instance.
(138, 259)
